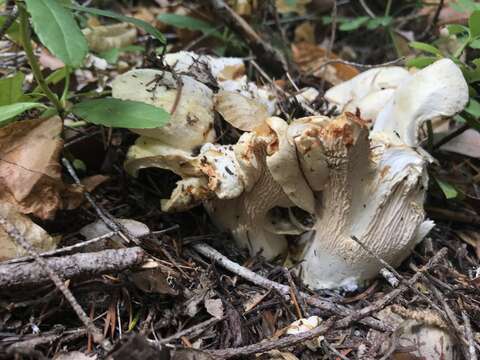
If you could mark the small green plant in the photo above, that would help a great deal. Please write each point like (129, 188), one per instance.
(467, 37)
(55, 26)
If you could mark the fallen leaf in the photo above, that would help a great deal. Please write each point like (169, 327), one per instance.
(215, 308)
(239, 111)
(30, 173)
(310, 58)
(47, 60)
(104, 38)
(99, 228)
(286, 6)
(467, 143)
(305, 32)
(34, 234)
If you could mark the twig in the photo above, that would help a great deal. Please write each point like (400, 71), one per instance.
(265, 53)
(331, 42)
(9, 21)
(42, 265)
(333, 350)
(451, 136)
(385, 300)
(367, 9)
(268, 345)
(69, 266)
(469, 336)
(61, 250)
(196, 329)
(351, 63)
(434, 21)
(256, 279)
(111, 223)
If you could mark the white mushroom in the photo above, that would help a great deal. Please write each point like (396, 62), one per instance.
(353, 183)
(438, 90)
(189, 102)
(368, 92)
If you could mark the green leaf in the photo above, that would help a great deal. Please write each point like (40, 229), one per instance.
(121, 113)
(475, 44)
(111, 56)
(454, 29)
(11, 89)
(137, 22)
(421, 61)
(464, 6)
(58, 31)
(448, 190)
(9, 111)
(13, 31)
(353, 24)
(379, 21)
(473, 108)
(185, 22)
(474, 23)
(425, 47)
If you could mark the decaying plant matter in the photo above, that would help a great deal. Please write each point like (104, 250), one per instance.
(351, 181)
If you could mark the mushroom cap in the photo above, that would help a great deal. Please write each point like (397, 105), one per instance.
(189, 101)
(438, 90)
(283, 164)
(351, 93)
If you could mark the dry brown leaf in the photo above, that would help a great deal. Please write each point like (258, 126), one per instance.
(33, 233)
(104, 38)
(310, 58)
(305, 32)
(239, 111)
(30, 173)
(49, 61)
(215, 308)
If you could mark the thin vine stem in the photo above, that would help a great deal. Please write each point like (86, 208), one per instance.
(32, 60)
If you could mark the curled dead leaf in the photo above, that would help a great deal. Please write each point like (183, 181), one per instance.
(239, 111)
(30, 173)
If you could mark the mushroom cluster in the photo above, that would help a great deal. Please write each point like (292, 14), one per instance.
(350, 180)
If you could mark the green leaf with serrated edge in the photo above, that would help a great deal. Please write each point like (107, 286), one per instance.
(121, 113)
(454, 29)
(421, 61)
(448, 190)
(137, 22)
(11, 89)
(7, 112)
(425, 47)
(474, 23)
(353, 24)
(57, 30)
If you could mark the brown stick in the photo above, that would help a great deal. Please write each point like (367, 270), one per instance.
(256, 279)
(265, 53)
(274, 344)
(43, 266)
(33, 274)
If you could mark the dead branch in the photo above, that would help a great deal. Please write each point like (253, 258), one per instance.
(33, 274)
(274, 344)
(43, 266)
(256, 279)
